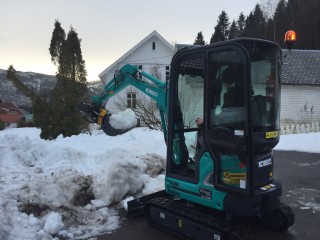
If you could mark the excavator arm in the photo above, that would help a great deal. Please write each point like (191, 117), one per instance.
(128, 75)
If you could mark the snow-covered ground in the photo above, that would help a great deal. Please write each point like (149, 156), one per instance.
(71, 187)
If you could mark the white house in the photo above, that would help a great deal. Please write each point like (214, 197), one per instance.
(152, 54)
(300, 93)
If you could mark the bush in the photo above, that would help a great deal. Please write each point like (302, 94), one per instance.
(1, 125)
(23, 124)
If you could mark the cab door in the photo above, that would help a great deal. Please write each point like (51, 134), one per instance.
(227, 132)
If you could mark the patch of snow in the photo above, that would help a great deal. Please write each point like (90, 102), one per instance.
(53, 223)
(307, 198)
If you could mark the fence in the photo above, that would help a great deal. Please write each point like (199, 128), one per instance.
(300, 128)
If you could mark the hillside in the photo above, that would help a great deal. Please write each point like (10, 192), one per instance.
(40, 83)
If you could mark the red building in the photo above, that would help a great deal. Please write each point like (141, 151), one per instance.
(10, 114)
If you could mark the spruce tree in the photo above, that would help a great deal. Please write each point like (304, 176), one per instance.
(70, 89)
(57, 42)
(199, 39)
(282, 22)
(233, 30)
(255, 24)
(221, 29)
(241, 23)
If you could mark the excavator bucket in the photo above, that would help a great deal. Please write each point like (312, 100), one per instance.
(120, 123)
(109, 130)
(111, 124)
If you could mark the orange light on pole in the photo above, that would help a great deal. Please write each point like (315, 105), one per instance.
(290, 38)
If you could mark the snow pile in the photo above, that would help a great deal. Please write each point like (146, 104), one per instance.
(300, 142)
(69, 188)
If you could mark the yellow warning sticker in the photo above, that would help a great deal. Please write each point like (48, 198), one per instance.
(273, 134)
(233, 178)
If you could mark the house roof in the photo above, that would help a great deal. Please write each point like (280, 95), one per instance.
(132, 50)
(6, 116)
(301, 67)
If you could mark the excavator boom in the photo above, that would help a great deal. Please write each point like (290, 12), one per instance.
(128, 75)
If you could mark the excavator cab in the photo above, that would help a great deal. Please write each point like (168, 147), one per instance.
(227, 162)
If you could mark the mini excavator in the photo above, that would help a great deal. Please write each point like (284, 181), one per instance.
(226, 175)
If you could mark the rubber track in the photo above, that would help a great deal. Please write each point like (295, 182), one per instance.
(287, 211)
(231, 230)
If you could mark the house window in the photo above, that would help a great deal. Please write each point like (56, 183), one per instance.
(153, 45)
(167, 73)
(132, 100)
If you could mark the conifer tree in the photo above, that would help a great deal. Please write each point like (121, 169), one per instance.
(57, 42)
(255, 24)
(63, 116)
(241, 23)
(199, 39)
(282, 22)
(221, 29)
(12, 76)
(233, 30)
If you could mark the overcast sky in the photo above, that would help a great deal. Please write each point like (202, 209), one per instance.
(108, 28)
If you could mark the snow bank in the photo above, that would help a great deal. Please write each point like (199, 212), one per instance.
(65, 187)
(300, 142)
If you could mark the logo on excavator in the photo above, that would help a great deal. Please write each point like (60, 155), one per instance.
(265, 163)
(153, 93)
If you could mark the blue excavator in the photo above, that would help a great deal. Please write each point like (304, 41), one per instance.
(219, 173)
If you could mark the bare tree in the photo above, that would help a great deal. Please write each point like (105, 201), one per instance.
(146, 109)
(268, 8)
(155, 71)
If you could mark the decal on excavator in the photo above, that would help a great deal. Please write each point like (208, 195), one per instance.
(265, 163)
(152, 92)
(233, 178)
(273, 134)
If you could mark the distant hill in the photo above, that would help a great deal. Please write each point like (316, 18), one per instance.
(37, 82)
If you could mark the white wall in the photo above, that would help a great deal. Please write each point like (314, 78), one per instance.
(293, 99)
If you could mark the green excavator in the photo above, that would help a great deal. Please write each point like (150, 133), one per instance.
(218, 173)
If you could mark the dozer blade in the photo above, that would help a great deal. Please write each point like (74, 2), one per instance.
(109, 130)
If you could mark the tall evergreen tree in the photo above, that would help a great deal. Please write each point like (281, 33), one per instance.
(62, 112)
(282, 22)
(241, 23)
(233, 30)
(72, 65)
(255, 24)
(305, 20)
(199, 39)
(221, 29)
(57, 42)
